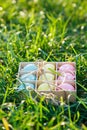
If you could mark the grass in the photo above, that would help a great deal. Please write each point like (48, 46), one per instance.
(49, 30)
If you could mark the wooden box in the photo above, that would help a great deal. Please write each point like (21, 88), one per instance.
(65, 94)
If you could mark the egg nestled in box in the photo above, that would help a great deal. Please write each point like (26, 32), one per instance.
(26, 86)
(46, 76)
(45, 87)
(30, 67)
(28, 77)
(49, 66)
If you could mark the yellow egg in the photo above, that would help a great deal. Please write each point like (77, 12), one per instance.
(45, 87)
(47, 67)
(46, 76)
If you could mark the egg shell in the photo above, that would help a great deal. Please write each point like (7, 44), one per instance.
(46, 87)
(65, 86)
(26, 86)
(30, 67)
(67, 68)
(30, 85)
(21, 87)
(46, 76)
(47, 67)
(28, 77)
(66, 76)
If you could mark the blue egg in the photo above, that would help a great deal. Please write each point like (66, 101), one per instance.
(29, 85)
(27, 77)
(21, 87)
(30, 67)
(26, 86)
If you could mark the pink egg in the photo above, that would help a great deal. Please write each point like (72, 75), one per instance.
(66, 76)
(65, 86)
(67, 68)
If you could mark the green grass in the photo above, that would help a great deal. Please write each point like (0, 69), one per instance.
(52, 30)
